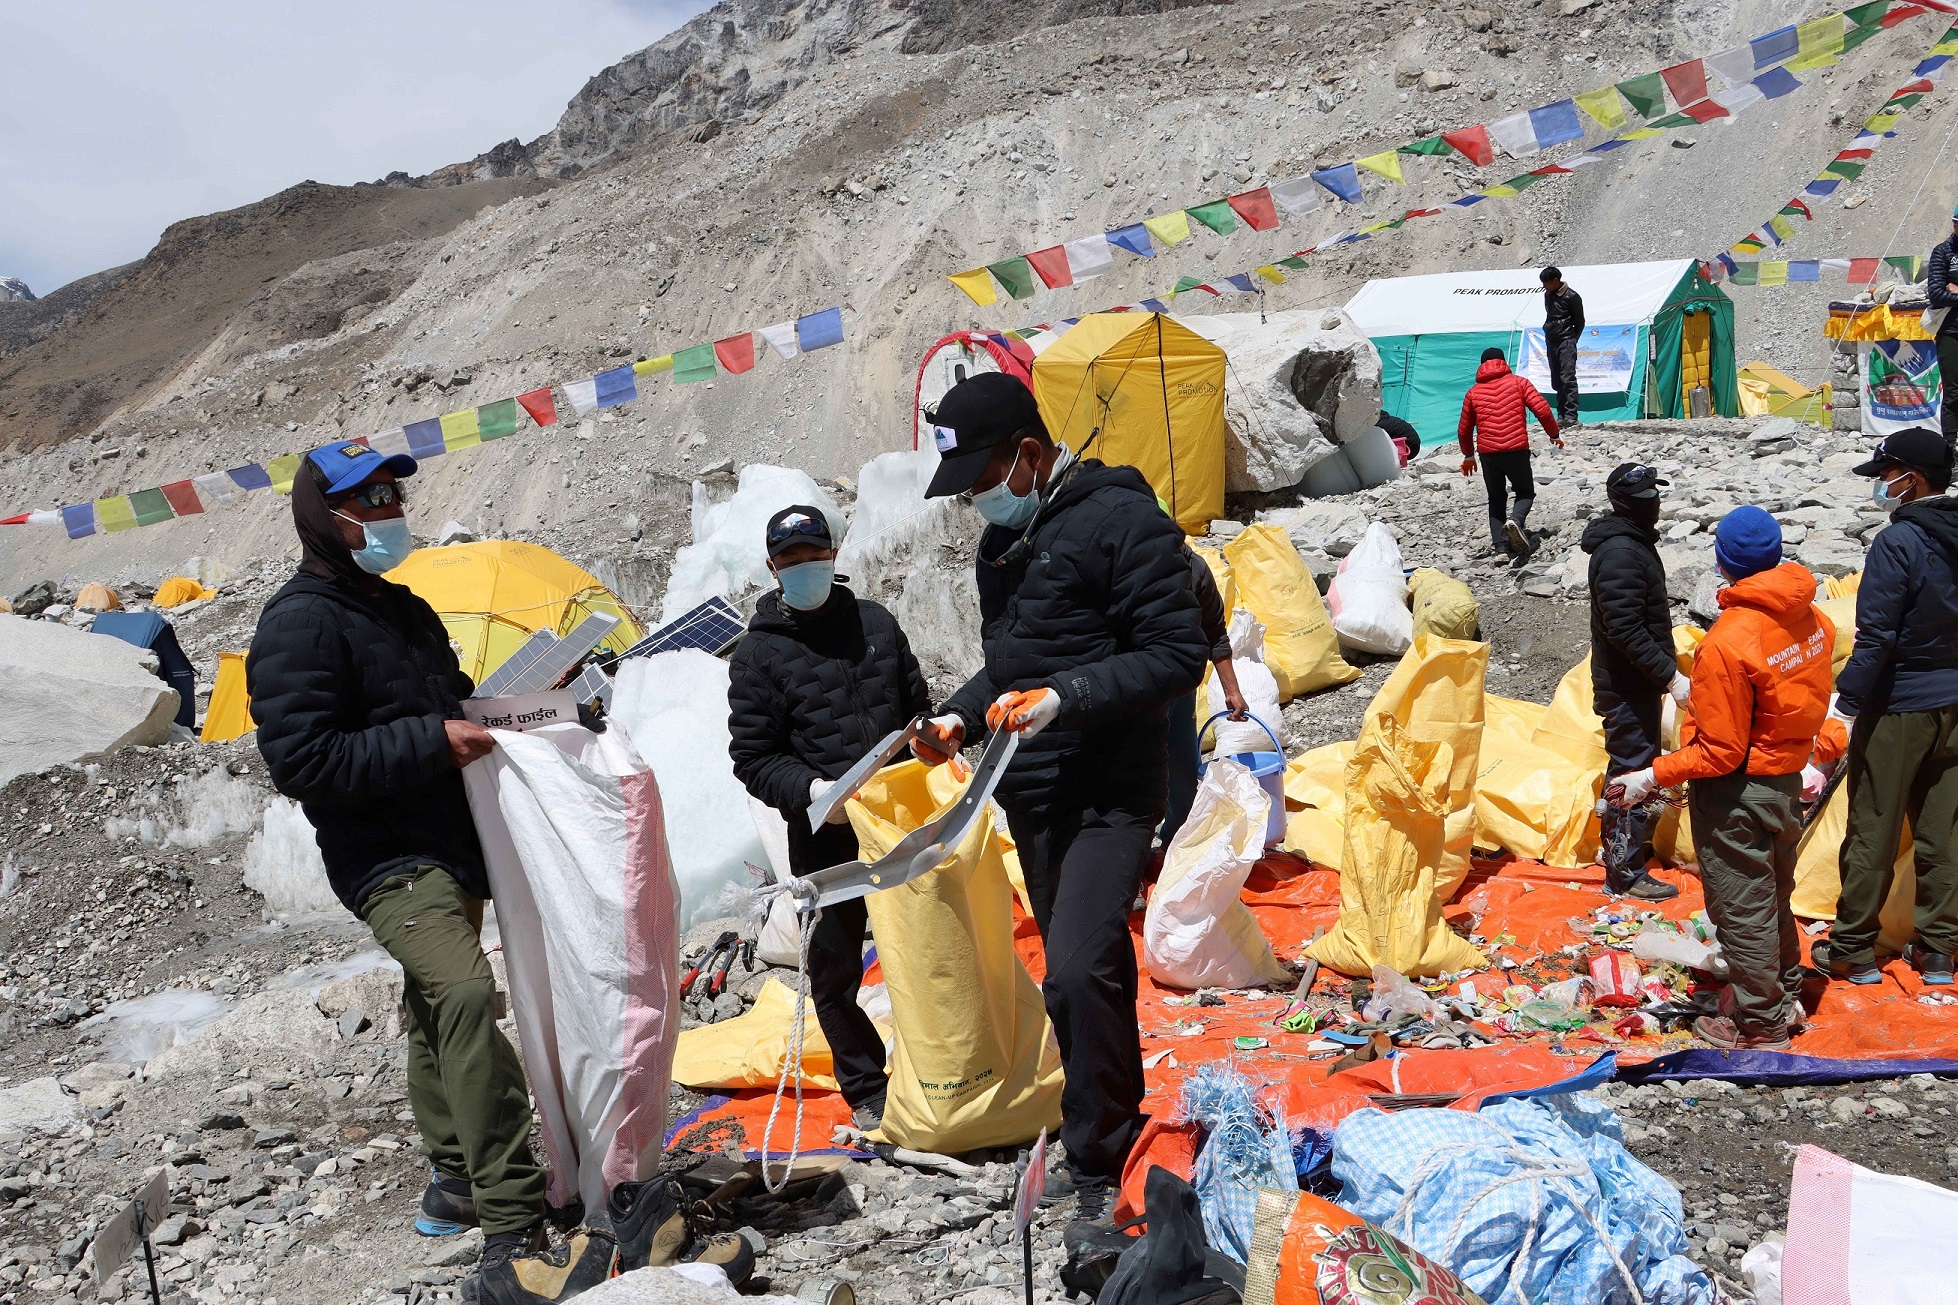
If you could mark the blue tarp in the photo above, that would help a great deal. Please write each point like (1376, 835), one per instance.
(1775, 1068)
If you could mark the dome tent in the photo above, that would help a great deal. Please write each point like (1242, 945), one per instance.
(491, 595)
(960, 355)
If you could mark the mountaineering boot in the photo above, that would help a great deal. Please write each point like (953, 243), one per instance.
(1499, 534)
(1091, 1209)
(1625, 851)
(1933, 968)
(500, 1250)
(1823, 958)
(650, 1221)
(1647, 888)
(868, 1117)
(588, 1259)
(1721, 1032)
(1519, 543)
(448, 1206)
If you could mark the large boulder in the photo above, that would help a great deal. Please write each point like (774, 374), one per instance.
(38, 1105)
(66, 694)
(1300, 384)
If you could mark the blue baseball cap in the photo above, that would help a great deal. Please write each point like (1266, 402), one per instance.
(346, 463)
(1747, 541)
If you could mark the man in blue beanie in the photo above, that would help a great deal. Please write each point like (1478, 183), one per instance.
(1941, 285)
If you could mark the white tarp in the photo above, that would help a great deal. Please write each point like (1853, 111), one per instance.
(1858, 1237)
(1628, 294)
(575, 840)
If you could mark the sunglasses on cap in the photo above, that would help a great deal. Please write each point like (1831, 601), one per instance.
(380, 494)
(783, 531)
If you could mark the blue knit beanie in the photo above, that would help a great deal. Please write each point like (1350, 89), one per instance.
(1747, 541)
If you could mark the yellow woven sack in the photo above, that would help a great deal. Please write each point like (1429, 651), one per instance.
(1273, 582)
(1389, 909)
(748, 1050)
(972, 1064)
(1220, 571)
(1315, 797)
(1442, 605)
(1529, 800)
(1436, 693)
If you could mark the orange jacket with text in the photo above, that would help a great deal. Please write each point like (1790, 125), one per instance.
(1761, 682)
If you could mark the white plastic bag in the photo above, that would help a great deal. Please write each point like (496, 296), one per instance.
(1247, 634)
(780, 942)
(575, 840)
(1260, 688)
(1195, 933)
(1368, 598)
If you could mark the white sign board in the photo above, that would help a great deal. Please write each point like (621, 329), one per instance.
(524, 711)
(1605, 356)
(121, 1235)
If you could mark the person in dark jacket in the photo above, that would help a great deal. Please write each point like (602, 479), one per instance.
(150, 631)
(821, 677)
(1185, 749)
(1941, 286)
(1091, 632)
(1407, 440)
(1563, 324)
(1900, 686)
(1495, 423)
(1632, 663)
(357, 694)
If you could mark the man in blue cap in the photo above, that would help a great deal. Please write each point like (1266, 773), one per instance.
(358, 698)
(1941, 284)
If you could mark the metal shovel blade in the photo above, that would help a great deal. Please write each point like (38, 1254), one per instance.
(858, 775)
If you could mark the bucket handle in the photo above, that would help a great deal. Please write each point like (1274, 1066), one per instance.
(1276, 746)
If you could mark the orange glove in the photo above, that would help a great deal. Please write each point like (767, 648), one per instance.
(1025, 712)
(1468, 466)
(1554, 440)
(940, 740)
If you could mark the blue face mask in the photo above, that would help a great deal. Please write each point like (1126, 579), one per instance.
(1002, 507)
(806, 585)
(1880, 495)
(388, 544)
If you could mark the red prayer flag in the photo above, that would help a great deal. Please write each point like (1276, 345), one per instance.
(1862, 271)
(1472, 143)
(1902, 13)
(1705, 111)
(20, 520)
(736, 354)
(181, 495)
(1051, 266)
(539, 405)
(1549, 171)
(1256, 208)
(1796, 203)
(1922, 86)
(1419, 212)
(1852, 154)
(1687, 82)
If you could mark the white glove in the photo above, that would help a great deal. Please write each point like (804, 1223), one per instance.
(1813, 782)
(1835, 713)
(1638, 787)
(1681, 689)
(818, 790)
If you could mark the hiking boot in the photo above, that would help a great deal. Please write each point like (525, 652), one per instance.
(1722, 1033)
(1091, 1209)
(500, 1250)
(448, 1206)
(730, 1252)
(868, 1118)
(1933, 968)
(1646, 888)
(650, 1221)
(1823, 958)
(1518, 540)
(588, 1259)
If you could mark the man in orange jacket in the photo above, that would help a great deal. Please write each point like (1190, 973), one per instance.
(1495, 423)
(1760, 695)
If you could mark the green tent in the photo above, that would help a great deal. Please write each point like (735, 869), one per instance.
(1653, 331)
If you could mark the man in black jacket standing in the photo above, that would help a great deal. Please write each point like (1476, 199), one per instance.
(1900, 686)
(820, 677)
(1563, 323)
(357, 696)
(1632, 662)
(1090, 632)
(1941, 286)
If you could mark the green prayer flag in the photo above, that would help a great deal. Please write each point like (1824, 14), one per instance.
(1523, 182)
(1217, 216)
(1795, 209)
(1433, 145)
(150, 507)
(1293, 261)
(1855, 36)
(1670, 121)
(1847, 169)
(495, 420)
(1646, 94)
(697, 363)
(1908, 264)
(1903, 102)
(1015, 273)
(1186, 283)
(1746, 274)
(1868, 15)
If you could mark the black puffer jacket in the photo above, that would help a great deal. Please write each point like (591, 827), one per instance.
(1631, 621)
(1937, 278)
(1906, 655)
(1212, 619)
(808, 694)
(1563, 314)
(1100, 610)
(350, 691)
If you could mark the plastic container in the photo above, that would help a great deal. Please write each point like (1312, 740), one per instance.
(1268, 768)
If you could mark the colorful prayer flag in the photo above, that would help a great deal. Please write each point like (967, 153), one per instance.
(79, 520)
(977, 285)
(1806, 269)
(1909, 265)
(1776, 82)
(1270, 273)
(736, 353)
(250, 476)
(1256, 208)
(819, 330)
(282, 470)
(1089, 257)
(1735, 65)
(424, 438)
(1686, 81)
(1705, 111)
(150, 507)
(1387, 164)
(115, 514)
(1343, 181)
(1185, 284)
(1818, 42)
(1524, 134)
(1646, 94)
(389, 442)
(1170, 228)
(1431, 146)
(495, 420)
(1862, 271)
(583, 395)
(1240, 281)
(1774, 274)
(1216, 215)
(647, 368)
(1051, 266)
(1155, 305)
(1777, 46)
(1737, 100)
(1604, 106)
(1472, 143)
(541, 407)
(1015, 274)
(780, 337)
(1134, 238)
(1747, 274)
(213, 487)
(1782, 227)
(695, 364)
(460, 430)
(182, 497)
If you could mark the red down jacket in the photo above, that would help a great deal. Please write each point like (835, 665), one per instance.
(1493, 411)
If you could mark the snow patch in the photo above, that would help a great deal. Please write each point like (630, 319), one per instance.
(728, 554)
(283, 866)
(193, 814)
(137, 1031)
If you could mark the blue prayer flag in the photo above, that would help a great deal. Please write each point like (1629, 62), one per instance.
(1134, 238)
(250, 476)
(1555, 123)
(819, 330)
(1343, 181)
(616, 386)
(1777, 46)
(1155, 305)
(425, 438)
(79, 520)
(1241, 280)
(1777, 82)
(1806, 270)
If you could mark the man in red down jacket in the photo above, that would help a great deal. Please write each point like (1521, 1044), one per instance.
(1495, 424)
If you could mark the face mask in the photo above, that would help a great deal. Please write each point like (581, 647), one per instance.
(1880, 495)
(388, 544)
(1001, 506)
(1639, 511)
(806, 585)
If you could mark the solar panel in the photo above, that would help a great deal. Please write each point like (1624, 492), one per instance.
(528, 655)
(551, 660)
(713, 627)
(593, 685)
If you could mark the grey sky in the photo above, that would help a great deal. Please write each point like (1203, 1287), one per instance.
(117, 119)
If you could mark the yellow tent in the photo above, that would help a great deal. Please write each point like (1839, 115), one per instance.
(178, 590)
(230, 712)
(1155, 390)
(1767, 392)
(97, 597)
(492, 594)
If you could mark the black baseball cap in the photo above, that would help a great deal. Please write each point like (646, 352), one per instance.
(798, 524)
(975, 417)
(1633, 480)
(1914, 449)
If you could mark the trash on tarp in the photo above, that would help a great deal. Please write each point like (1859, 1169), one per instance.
(1246, 1147)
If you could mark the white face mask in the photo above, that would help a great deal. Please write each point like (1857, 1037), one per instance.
(1881, 495)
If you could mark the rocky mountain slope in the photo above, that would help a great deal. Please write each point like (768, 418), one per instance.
(13, 290)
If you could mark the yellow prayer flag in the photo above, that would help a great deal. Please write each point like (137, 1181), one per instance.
(1272, 274)
(1387, 164)
(1500, 192)
(1641, 133)
(1883, 122)
(1774, 273)
(461, 430)
(1945, 47)
(1817, 43)
(282, 470)
(1170, 228)
(977, 284)
(1782, 227)
(1604, 106)
(115, 514)
(664, 363)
